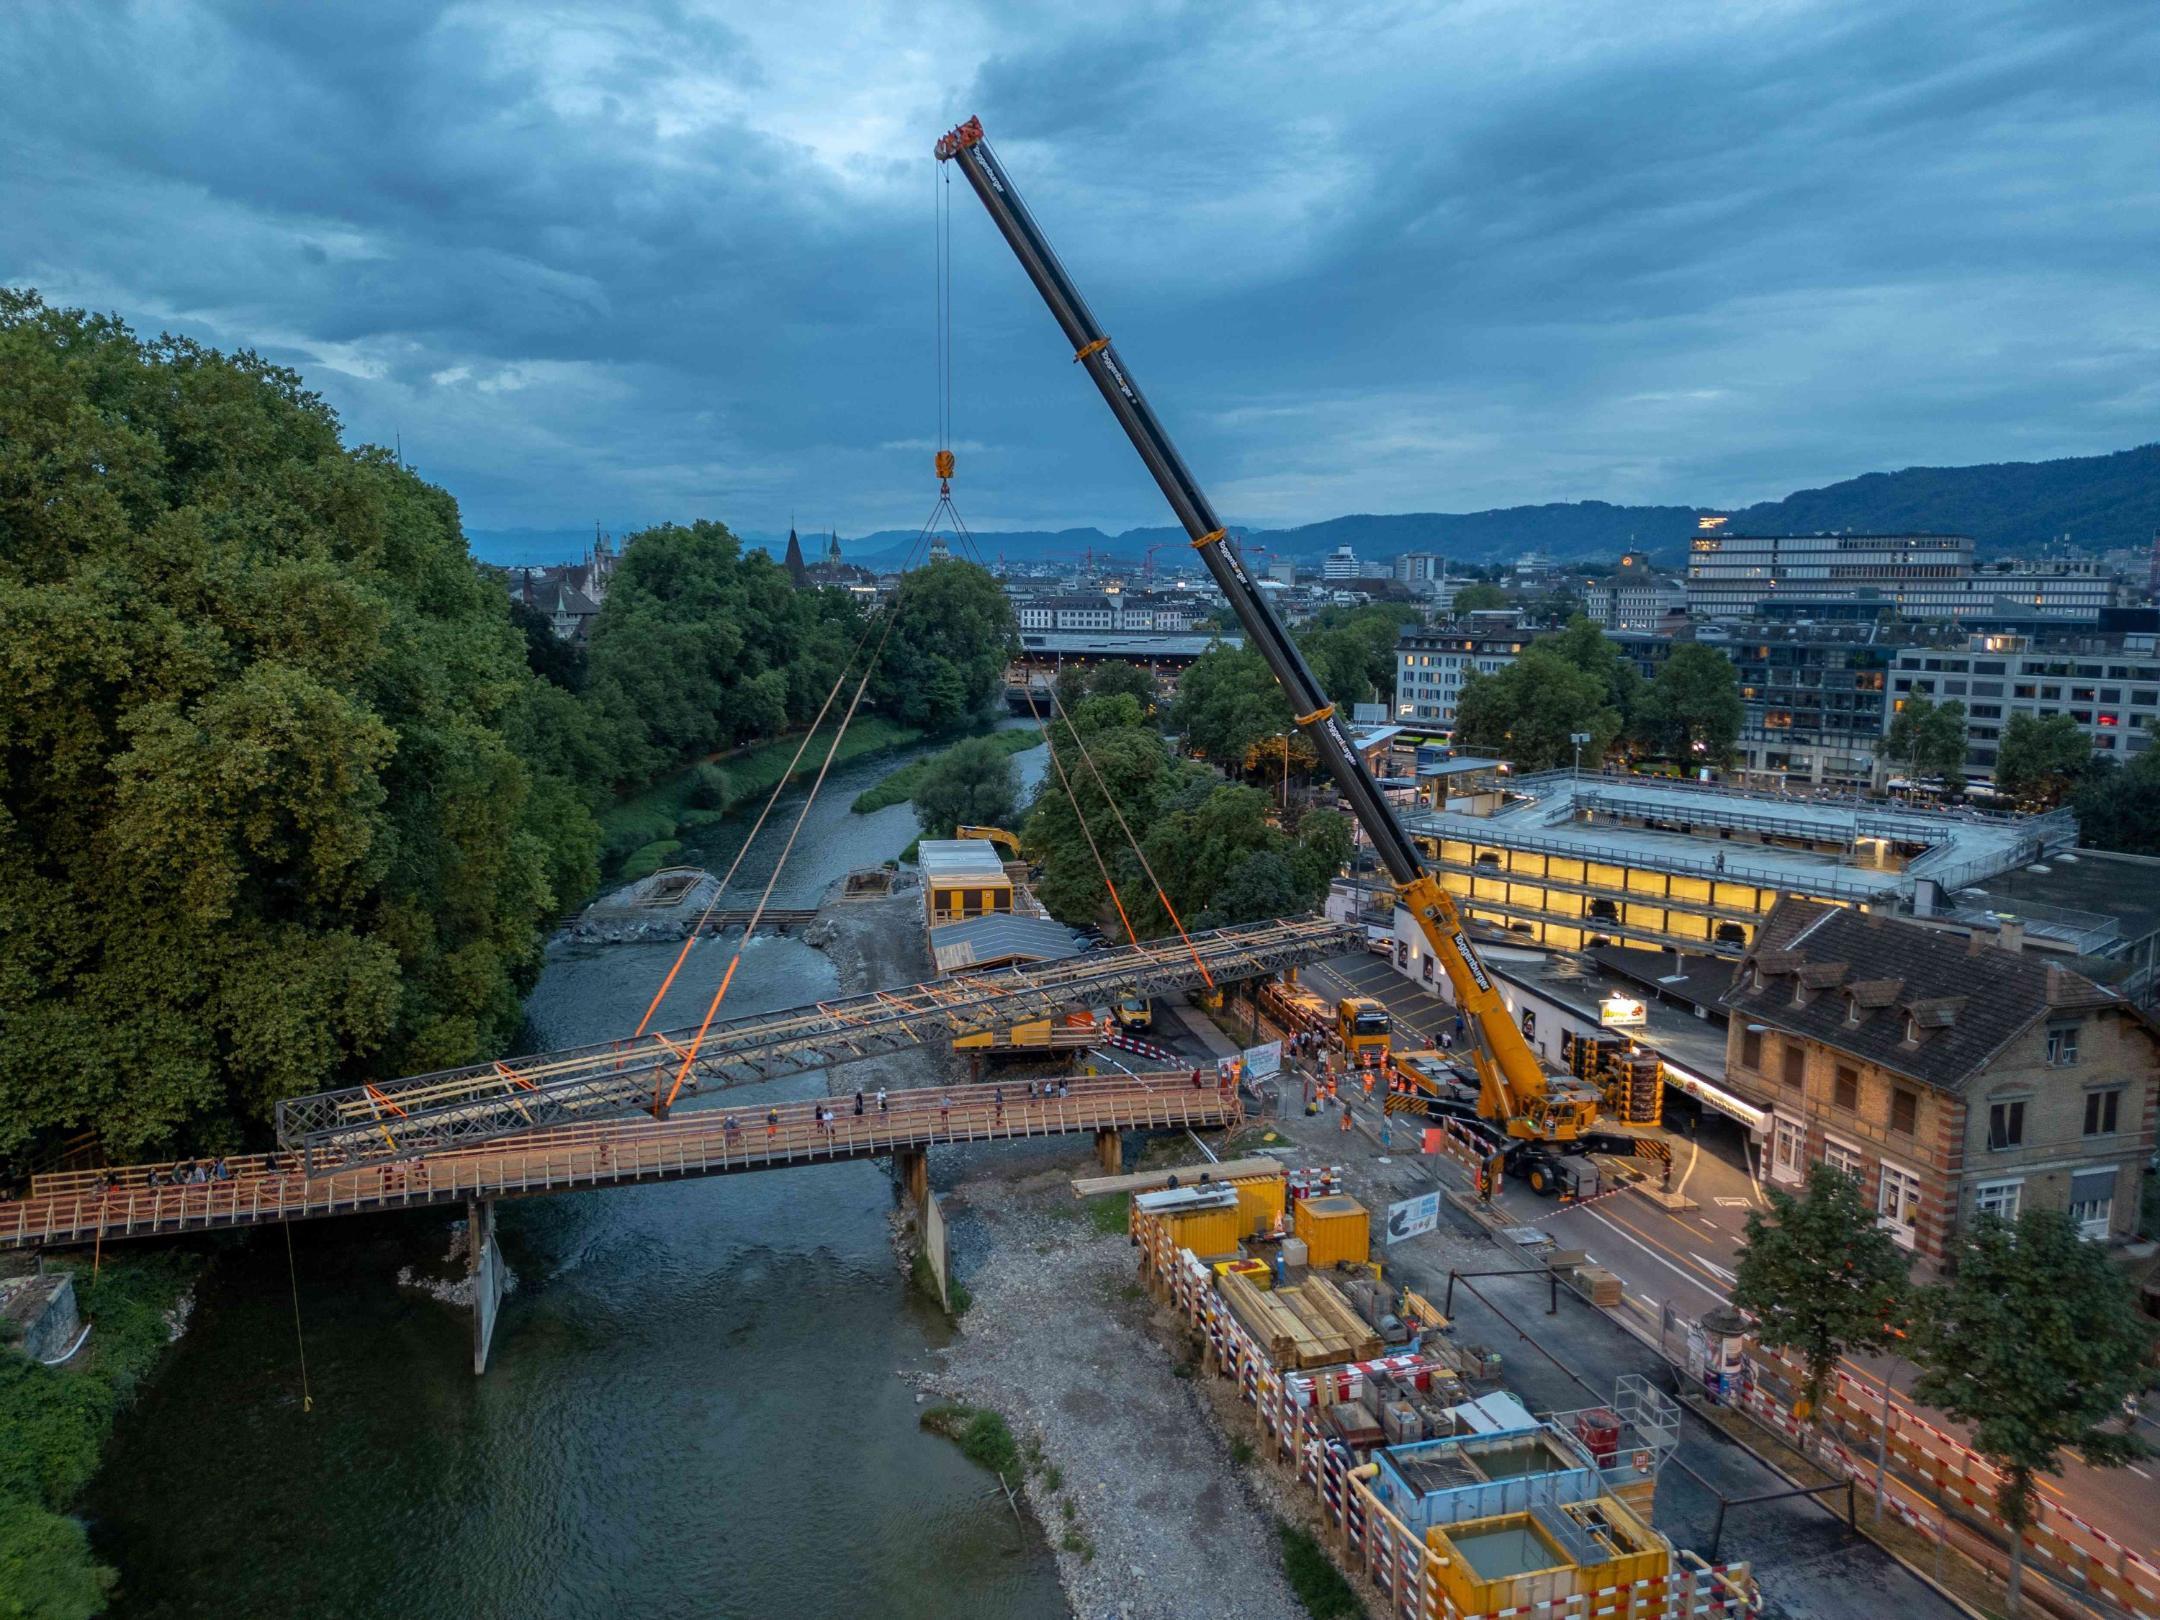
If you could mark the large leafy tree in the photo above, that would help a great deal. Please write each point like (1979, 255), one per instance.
(1929, 737)
(1821, 1276)
(265, 823)
(1693, 711)
(2041, 758)
(1597, 655)
(2120, 809)
(2035, 1342)
(1072, 829)
(1351, 651)
(1527, 712)
(1228, 703)
(953, 637)
(1474, 598)
(973, 783)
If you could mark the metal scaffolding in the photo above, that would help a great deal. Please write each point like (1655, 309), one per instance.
(432, 1113)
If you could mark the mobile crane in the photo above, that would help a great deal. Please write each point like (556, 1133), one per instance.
(1541, 1116)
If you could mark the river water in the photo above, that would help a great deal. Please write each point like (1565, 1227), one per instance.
(692, 1406)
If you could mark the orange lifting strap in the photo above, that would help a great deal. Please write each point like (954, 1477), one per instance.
(1320, 713)
(1209, 538)
(1096, 347)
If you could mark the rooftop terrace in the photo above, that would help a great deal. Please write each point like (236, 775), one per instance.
(1851, 851)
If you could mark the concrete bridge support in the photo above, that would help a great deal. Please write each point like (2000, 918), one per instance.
(484, 1263)
(911, 1167)
(1110, 1152)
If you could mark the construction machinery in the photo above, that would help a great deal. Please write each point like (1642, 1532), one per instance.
(1362, 1026)
(1535, 1114)
(995, 835)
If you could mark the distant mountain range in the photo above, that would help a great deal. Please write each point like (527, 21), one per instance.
(2099, 501)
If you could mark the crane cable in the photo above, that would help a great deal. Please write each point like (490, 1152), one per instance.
(1057, 705)
(712, 1010)
(1080, 816)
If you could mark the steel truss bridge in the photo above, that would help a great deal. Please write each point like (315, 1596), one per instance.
(84, 1206)
(454, 1109)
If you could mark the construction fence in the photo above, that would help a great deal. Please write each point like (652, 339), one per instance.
(1288, 1407)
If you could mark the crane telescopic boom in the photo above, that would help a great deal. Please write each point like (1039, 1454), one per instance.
(1514, 1089)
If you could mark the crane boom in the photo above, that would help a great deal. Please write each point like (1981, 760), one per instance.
(1514, 1089)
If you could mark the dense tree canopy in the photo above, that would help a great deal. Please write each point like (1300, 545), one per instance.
(1227, 702)
(971, 784)
(1473, 598)
(946, 659)
(1351, 651)
(1527, 712)
(268, 814)
(1929, 739)
(2120, 809)
(1692, 711)
(2042, 758)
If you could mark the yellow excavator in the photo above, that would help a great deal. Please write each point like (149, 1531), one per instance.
(996, 835)
(1538, 1116)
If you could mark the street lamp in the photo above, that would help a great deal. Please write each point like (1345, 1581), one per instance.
(1578, 738)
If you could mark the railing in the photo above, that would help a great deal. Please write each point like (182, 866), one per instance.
(73, 1206)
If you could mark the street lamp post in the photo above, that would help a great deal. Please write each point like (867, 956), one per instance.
(1578, 738)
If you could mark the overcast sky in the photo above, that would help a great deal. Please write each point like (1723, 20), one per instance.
(640, 259)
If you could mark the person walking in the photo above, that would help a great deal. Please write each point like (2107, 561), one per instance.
(772, 1123)
(944, 1111)
(881, 1105)
(997, 1102)
(1346, 1116)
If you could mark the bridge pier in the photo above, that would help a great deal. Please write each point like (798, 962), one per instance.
(1110, 1152)
(912, 1168)
(484, 1264)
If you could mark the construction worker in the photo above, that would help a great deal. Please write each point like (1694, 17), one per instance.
(1368, 1083)
(1346, 1116)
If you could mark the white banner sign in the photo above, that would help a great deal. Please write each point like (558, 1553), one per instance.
(1412, 1216)
(1263, 1061)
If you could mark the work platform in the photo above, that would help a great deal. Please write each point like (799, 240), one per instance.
(70, 1207)
(455, 1108)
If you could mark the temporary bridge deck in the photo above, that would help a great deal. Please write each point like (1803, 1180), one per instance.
(81, 1206)
(446, 1111)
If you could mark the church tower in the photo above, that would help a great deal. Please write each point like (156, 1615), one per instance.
(794, 560)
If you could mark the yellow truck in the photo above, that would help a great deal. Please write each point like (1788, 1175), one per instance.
(1362, 1025)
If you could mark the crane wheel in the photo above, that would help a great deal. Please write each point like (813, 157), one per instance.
(1540, 1181)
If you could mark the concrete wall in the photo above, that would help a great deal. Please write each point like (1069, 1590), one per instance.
(934, 1247)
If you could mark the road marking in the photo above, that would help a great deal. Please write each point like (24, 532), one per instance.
(1707, 1221)
(1693, 1282)
(1730, 1203)
(1719, 1272)
(2135, 1469)
(1694, 1154)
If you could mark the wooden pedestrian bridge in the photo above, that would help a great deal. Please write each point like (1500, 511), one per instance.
(135, 1201)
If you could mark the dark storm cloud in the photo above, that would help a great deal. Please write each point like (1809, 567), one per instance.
(658, 260)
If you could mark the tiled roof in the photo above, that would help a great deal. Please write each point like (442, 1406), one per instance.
(1929, 1004)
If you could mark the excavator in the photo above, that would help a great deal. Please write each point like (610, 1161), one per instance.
(1536, 1118)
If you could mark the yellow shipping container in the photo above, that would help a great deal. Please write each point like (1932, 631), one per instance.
(1260, 1202)
(1334, 1230)
(1207, 1231)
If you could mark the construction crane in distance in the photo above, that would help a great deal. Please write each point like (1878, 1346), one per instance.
(1541, 1115)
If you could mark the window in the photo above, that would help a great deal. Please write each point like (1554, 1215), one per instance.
(1794, 1072)
(1848, 1089)
(1904, 1110)
(1788, 1150)
(1751, 1049)
(1998, 1198)
(2062, 1046)
(1842, 1156)
(1897, 1201)
(2006, 1124)
(2092, 1201)
(2103, 1111)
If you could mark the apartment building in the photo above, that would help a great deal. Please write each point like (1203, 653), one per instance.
(1414, 567)
(1634, 603)
(1952, 1077)
(1815, 703)
(1433, 663)
(2109, 685)
(1342, 564)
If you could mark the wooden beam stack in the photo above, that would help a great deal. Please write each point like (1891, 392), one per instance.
(1310, 1325)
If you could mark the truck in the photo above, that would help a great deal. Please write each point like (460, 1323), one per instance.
(1362, 1026)
(1536, 1115)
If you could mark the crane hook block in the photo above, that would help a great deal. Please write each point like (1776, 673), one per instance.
(944, 464)
(960, 139)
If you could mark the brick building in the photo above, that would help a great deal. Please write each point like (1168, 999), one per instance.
(1951, 1075)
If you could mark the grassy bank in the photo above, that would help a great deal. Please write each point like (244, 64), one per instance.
(639, 834)
(53, 1425)
(897, 787)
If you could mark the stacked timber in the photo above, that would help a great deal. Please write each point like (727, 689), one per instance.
(1310, 1325)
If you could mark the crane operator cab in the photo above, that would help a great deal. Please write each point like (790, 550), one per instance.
(1362, 1025)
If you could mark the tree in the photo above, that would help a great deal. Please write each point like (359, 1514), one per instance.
(971, 784)
(1352, 650)
(1323, 849)
(2041, 759)
(2035, 1342)
(1821, 1276)
(1115, 677)
(2120, 809)
(270, 819)
(1071, 820)
(951, 641)
(1930, 739)
(1228, 701)
(1474, 598)
(1692, 711)
(1527, 712)
(1222, 861)
(1597, 655)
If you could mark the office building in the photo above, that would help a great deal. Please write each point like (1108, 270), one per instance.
(1730, 575)
(1416, 567)
(2109, 685)
(1814, 697)
(1634, 602)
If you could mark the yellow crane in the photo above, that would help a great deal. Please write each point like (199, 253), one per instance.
(1534, 1109)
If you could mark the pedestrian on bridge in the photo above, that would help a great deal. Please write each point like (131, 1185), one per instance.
(998, 1098)
(881, 1108)
(772, 1123)
(944, 1111)
(858, 1102)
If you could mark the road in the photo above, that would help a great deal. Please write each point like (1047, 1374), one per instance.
(1685, 1258)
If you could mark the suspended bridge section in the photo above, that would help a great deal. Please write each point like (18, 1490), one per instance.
(133, 1201)
(440, 1113)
